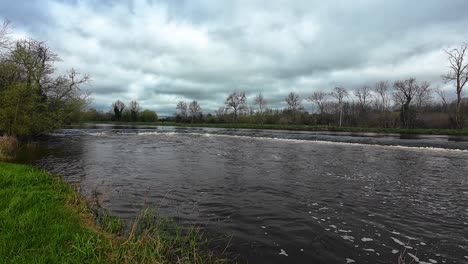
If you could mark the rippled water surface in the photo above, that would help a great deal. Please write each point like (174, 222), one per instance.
(314, 197)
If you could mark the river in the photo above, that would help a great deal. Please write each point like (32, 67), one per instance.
(283, 197)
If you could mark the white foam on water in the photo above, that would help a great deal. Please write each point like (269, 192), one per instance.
(397, 241)
(414, 257)
(349, 238)
(314, 141)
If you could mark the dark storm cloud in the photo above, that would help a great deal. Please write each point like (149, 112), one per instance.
(159, 52)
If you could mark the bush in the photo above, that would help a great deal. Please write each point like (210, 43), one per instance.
(9, 146)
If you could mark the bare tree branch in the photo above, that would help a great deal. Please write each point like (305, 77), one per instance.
(320, 99)
(4, 32)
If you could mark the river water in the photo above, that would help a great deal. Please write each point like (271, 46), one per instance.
(283, 197)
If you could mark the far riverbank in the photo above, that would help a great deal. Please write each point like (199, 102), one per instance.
(418, 131)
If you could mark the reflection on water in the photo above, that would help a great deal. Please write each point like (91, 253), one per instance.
(300, 194)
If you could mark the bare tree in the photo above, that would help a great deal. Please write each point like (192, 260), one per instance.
(363, 94)
(118, 107)
(261, 102)
(182, 109)
(320, 99)
(459, 74)
(195, 110)
(443, 98)
(383, 89)
(423, 95)
(405, 92)
(236, 102)
(340, 93)
(293, 101)
(134, 110)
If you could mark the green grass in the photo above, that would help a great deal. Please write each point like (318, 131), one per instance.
(303, 128)
(43, 220)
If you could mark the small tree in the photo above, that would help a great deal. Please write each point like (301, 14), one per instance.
(182, 109)
(134, 110)
(405, 92)
(118, 107)
(363, 95)
(293, 102)
(236, 102)
(459, 74)
(383, 99)
(195, 110)
(261, 102)
(423, 96)
(320, 99)
(340, 94)
(382, 89)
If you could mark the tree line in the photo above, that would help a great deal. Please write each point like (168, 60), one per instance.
(121, 112)
(404, 103)
(34, 98)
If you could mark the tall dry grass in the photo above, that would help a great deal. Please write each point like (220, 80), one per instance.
(9, 147)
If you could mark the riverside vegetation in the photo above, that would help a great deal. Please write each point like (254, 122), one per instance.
(43, 220)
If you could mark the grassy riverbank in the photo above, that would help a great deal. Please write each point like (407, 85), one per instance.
(303, 128)
(43, 220)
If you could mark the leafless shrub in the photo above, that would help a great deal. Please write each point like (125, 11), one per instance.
(9, 146)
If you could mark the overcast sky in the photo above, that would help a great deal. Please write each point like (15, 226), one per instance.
(160, 52)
